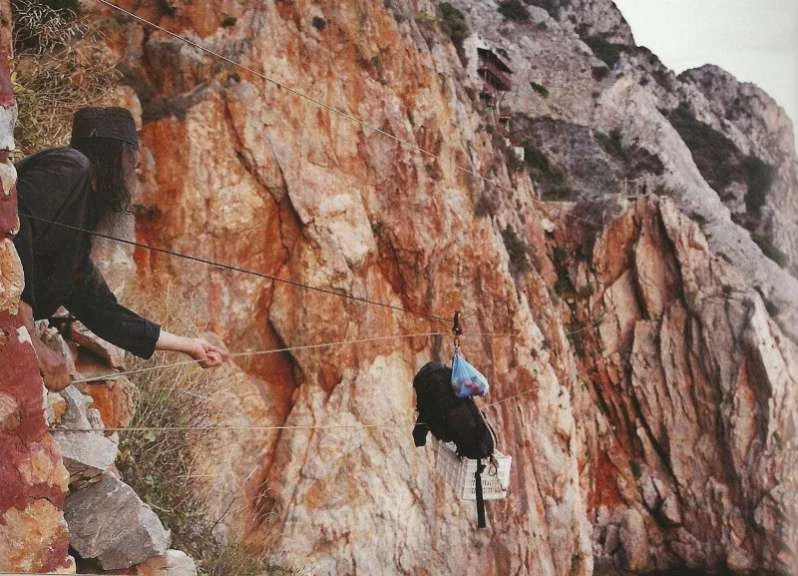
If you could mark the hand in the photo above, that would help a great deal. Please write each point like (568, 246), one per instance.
(52, 366)
(208, 355)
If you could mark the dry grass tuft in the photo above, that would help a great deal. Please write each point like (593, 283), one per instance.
(60, 65)
(158, 465)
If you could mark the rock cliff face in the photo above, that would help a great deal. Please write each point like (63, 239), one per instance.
(639, 348)
(33, 480)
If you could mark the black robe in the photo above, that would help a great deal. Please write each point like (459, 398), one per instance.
(55, 185)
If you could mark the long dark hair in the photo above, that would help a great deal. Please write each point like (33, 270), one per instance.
(112, 167)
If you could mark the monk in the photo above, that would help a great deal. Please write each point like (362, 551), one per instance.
(82, 185)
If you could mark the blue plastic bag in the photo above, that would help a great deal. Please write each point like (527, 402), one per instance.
(466, 380)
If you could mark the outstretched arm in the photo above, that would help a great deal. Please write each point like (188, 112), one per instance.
(93, 303)
(205, 353)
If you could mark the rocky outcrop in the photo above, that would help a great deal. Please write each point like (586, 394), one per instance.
(760, 129)
(107, 521)
(692, 389)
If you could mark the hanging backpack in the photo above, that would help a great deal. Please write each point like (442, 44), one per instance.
(452, 419)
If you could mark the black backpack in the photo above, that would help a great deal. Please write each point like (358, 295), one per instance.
(452, 419)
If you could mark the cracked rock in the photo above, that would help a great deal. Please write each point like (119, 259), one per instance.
(108, 522)
(86, 455)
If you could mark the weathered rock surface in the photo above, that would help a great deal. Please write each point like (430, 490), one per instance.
(174, 563)
(33, 481)
(86, 455)
(107, 521)
(649, 376)
(114, 397)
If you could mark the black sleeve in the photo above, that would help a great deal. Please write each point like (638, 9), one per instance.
(93, 303)
(23, 242)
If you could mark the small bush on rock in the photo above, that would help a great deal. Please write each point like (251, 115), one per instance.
(517, 250)
(454, 24)
(513, 10)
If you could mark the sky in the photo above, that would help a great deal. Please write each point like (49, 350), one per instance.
(755, 40)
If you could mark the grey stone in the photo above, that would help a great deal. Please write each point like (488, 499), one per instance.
(174, 563)
(107, 521)
(86, 454)
(78, 404)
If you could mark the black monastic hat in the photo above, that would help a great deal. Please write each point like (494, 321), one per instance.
(114, 123)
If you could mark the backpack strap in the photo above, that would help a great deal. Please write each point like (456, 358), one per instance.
(420, 433)
(480, 499)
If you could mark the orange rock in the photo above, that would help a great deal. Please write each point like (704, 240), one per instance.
(115, 399)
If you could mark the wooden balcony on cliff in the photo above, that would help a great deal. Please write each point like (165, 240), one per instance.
(493, 71)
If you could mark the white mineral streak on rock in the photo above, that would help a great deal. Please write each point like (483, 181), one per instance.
(13, 278)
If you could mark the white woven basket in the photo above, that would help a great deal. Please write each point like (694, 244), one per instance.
(459, 472)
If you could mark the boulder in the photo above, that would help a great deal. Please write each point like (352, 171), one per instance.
(77, 411)
(109, 522)
(86, 454)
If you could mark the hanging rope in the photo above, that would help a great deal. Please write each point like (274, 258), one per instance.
(296, 427)
(239, 269)
(113, 375)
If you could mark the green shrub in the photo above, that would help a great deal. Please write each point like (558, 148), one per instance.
(759, 176)
(559, 192)
(517, 250)
(535, 158)
(772, 308)
(552, 179)
(513, 10)
(540, 89)
(716, 157)
(165, 8)
(600, 73)
(229, 21)
(612, 144)
(605, 50)
(770, 250)
(454, 24)
(550, 6)
(486, 206)
(563, 286)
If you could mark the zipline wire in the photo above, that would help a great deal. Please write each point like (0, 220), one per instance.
(239, 269)
(256, 428)
(113, 375)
